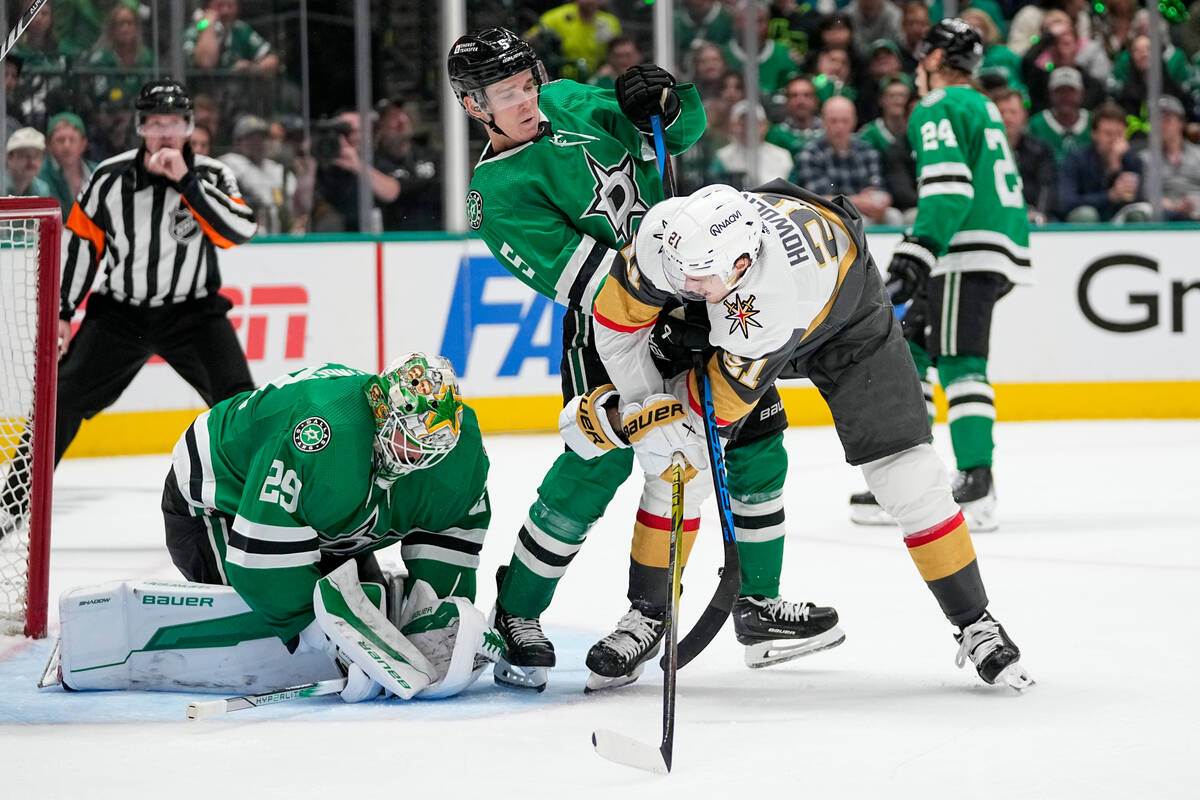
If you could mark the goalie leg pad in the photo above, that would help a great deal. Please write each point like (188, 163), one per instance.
(453, 634)
(585, 426)
(364, 636)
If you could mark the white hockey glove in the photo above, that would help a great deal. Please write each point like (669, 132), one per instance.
(359, 685)
(370, 647)
(658, 427)
(585, 425)
(453, 634)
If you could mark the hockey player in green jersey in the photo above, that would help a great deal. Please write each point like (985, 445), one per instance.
(790, 290)
(967, 248)
(272, 489)
(557, 195)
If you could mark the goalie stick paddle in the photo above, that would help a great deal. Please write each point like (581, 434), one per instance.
(19, 28)
(626, 750)
(210, 708)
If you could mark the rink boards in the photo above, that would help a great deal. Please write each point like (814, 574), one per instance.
(1111, 329)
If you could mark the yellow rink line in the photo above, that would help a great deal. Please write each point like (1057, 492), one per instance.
(134, 433)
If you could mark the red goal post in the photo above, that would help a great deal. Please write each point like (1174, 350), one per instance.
(30, 239)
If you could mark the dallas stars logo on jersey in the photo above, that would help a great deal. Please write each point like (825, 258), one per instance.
(741, 314)
(616, 196)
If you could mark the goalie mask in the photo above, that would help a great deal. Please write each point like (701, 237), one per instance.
(418, 414)
(710, 234)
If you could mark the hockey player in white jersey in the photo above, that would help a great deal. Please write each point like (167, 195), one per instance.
(790, 290)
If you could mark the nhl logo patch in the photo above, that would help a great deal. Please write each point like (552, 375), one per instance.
(184, 227)
(474, 209)
(311, 435)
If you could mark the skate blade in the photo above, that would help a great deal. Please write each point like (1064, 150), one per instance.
(981, 515)
(779, 651)
(530, 679)
(598, 683)
(1015, 677)
(870, 515)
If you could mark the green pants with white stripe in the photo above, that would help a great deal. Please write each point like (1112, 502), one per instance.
(958, 318)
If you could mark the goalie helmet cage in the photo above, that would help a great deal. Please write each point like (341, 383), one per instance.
(30, 234)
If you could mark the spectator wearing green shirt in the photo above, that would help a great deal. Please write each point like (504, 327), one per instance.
(996, 56)
(795, 26)
(64, 169)
(892, 123)
(833, 75)
(707, 69)
(775, 65)
(122, 63)
(219, 40)
(802, 123)
(702, 21)
(1066, 125)
(24, 153)
(584, 31)
(623, 53)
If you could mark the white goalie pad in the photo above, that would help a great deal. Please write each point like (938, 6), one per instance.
(453, 634)
(362, 633)
(175, 636)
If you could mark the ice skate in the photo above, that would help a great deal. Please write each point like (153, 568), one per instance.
(619, 658)
(865, 510)
(775, 630)
(975, 493)
(528, 654)
(995, 656)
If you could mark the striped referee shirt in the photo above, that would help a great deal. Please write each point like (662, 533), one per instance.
(147, 241)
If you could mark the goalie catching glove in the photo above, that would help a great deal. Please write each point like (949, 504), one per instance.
(657, 428)
(440, 649)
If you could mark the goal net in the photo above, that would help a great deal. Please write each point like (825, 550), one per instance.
(30, 230)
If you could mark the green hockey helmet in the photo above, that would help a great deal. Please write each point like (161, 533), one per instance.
(418, 414)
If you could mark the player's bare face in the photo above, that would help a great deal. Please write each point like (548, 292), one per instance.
(513, 103)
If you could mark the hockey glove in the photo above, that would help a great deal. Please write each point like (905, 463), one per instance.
(657, 428)
(646, 89)
(677, 335)
(912, 261)
(585, 425)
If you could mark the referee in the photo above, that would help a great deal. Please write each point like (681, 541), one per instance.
(143, 237)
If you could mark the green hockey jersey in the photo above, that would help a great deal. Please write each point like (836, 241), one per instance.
(285, 472)
(970, 201)
(556, 210)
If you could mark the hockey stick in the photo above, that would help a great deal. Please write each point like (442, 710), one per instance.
(626, 750)
(210, 708)
(20, 27)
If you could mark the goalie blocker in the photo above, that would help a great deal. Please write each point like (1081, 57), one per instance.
(180, 636)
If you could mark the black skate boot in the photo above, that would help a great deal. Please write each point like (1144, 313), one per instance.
(528, 654)
(975, 493)
(865, 510)
(775, 630)
(995, 656)
(619, 658)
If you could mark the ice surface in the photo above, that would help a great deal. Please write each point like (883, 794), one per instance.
(1095, 572)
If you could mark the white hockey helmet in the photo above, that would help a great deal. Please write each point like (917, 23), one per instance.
(714, 229)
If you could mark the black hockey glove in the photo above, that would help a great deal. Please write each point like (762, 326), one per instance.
(912, 261)
(646, 89)
(676, 336)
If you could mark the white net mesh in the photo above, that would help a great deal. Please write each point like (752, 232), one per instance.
(18, 336)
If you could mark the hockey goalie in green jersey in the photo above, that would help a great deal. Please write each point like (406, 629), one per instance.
(283, 493)
(967, 248)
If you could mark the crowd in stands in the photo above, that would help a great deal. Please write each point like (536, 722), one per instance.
(835, 80)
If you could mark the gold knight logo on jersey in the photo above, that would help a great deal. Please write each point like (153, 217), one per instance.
(616, 196)
(184, 226)
(741, 314)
